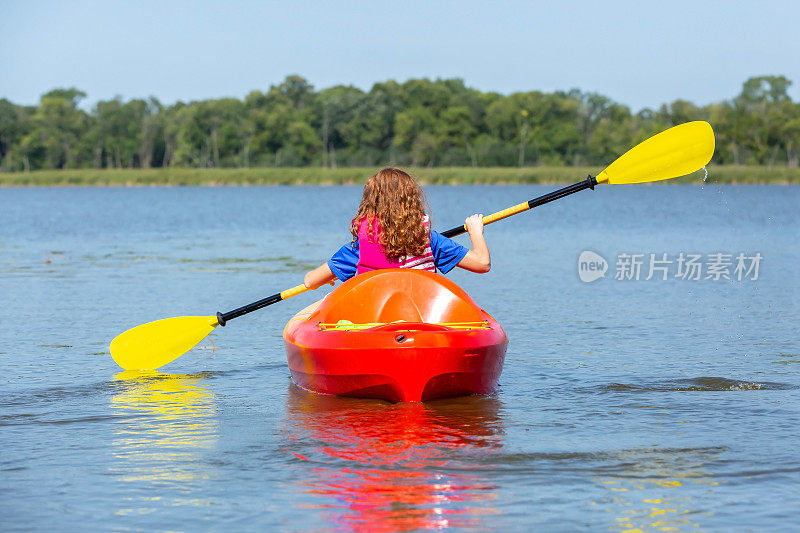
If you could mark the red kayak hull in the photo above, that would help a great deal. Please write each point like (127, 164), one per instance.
(424, 347)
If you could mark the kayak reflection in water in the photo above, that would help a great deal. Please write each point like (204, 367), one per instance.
(371, 465)
(391, 230)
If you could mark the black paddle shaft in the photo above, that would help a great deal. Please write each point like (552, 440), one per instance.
(588, 183)
(249, 308)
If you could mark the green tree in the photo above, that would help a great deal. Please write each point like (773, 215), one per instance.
(15, 125)
(455, 128)
(337, 109)
(118, 132)
(58, 125)
(760, 112)
(414, 133)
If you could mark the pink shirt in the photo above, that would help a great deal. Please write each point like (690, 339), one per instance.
(372, 257)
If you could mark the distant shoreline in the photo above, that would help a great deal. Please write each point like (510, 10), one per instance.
(717, 174)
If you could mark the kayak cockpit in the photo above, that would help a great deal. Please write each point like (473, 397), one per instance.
(391, 295)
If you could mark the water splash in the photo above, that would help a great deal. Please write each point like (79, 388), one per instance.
(703, 185)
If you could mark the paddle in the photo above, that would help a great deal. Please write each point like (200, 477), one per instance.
(675, 152)
(672, 153)
(155, 344)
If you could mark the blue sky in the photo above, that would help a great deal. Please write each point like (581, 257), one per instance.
(639, 53)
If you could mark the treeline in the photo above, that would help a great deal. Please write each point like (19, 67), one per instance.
(419, 123)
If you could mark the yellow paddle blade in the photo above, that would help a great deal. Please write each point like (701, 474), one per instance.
(155, 344)
(675, 152)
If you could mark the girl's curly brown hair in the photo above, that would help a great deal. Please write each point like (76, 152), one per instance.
(398, 202)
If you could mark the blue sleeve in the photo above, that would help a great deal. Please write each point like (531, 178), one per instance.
(446, 252)
(343, 263)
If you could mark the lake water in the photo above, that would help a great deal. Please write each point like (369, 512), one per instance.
(624, 404)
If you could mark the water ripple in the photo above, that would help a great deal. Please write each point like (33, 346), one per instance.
(697, 384)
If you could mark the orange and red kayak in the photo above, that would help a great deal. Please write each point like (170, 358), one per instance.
(401, 335)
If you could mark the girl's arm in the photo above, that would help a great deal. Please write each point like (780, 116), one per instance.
(319, 276)
(478, 259)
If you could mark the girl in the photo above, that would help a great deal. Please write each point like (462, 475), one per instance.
(391, 230)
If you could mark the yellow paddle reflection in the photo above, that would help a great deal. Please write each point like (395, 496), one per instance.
(166, 424)
(373, 466)
(655, 491)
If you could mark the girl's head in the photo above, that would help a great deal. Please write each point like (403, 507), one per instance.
(397, 202)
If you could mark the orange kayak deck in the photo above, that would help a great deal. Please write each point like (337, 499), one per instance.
(400, 335)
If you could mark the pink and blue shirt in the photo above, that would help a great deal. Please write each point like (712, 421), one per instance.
(366, 254)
